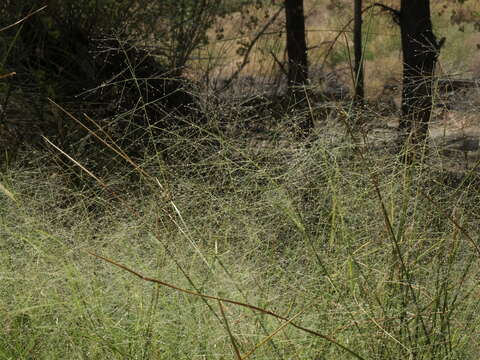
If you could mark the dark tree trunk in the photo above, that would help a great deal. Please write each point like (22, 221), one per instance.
(296, 43)
(357, 43)
(297, 54)
(420, 52)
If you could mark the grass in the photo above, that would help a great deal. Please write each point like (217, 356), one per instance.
(266, 247)
(292, 229)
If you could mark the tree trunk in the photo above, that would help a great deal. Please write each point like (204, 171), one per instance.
(420, 52)
(297, 55)
(296, 43)
(357, 43)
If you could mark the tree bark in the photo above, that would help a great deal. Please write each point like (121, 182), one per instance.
(420, 53)
(357, 43)
(296, 43)
(297, 54)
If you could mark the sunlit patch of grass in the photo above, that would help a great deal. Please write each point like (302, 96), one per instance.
(347, 239)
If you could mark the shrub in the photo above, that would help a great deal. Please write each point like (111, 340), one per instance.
(61, 53)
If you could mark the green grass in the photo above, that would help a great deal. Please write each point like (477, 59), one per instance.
(279, 226)
(378, 258)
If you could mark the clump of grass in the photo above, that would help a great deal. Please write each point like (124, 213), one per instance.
(370, 253)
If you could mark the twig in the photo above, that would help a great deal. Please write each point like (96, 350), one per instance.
(23, 19)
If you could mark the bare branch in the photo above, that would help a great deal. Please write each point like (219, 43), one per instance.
(394, 12)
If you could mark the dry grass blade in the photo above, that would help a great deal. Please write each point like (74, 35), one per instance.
(96, 178)
(227, 326)
(76, 162)
(113, 147)
(4, 76)
(7, 192)
(234, 302)
(23, 19)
